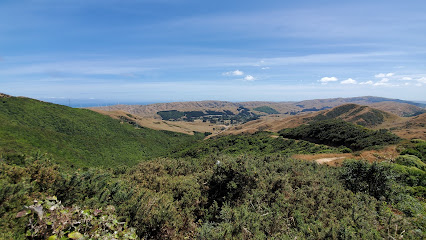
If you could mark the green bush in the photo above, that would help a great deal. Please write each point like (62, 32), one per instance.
(374, 179)
(266, 109)
(223, 197)
(410, 205)
(410, 160)
(172, 114)
(50, 220)
(260, 143)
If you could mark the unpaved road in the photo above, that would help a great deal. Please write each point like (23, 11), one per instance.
(325, 160)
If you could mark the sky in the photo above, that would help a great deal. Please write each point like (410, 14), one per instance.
(139, 51)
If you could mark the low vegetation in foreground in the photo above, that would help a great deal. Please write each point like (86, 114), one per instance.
(217, 197)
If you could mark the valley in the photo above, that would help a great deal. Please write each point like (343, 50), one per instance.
(404, 118)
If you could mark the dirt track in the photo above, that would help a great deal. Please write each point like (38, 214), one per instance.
(326, 160)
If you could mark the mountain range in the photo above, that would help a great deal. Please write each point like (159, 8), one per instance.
(405, 118)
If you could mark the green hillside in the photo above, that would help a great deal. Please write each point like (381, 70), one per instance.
(258, 144)
(340, 133)
(361, 115)
(79, 137)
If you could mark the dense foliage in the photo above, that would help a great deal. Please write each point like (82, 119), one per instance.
(51, 220)
(171, 115)
(340, 133)
(223, 117)
(372, 117)
(266, 109)
(260, 143)
(79, 137)
(416, 147)
(220, 197)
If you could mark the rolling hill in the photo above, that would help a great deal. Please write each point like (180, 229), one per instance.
(274, 115)
(157, 124)
(79, 137)
(337, 132)
(396, 106)
(411, 127)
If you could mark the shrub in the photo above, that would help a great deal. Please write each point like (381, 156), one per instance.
(48, 219)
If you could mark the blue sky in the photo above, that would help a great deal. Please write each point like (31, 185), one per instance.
(183, 50)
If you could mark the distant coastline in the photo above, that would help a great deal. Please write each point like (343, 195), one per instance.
(84, 103)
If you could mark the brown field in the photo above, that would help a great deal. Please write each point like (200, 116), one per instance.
(174, 126)
(404, 127)
(386, 154)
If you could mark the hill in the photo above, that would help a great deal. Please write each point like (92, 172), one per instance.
(353, 113)
(340, 133)
(79, 137)
(361, 115)
(396, 106)
(158, 124)
(401, 107)
(237, 117)
(414, 127)
(152, 109)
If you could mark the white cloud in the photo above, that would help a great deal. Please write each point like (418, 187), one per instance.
(234, 73)
(407, 78)
(367, 83)
(382, 75)
(384, 82)
(325, 80)
(349, 81)
(422, 80)
(249, 78)
(264, 68)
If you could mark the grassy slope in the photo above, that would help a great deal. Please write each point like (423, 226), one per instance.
(339, 133)
(77, 136)
(410, 128)
(361, 115)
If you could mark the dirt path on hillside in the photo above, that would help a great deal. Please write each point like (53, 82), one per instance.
(326, 160)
